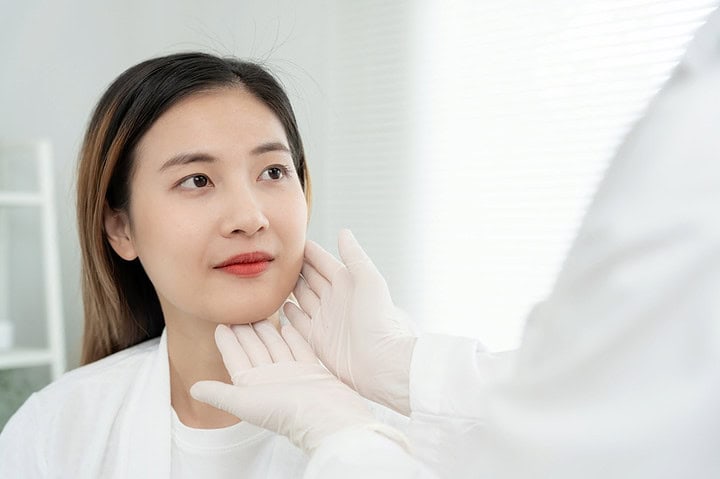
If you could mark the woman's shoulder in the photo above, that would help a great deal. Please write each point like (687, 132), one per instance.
(76, 409)
(101, 384)
(109, 370)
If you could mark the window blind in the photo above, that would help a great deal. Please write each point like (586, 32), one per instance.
(365, 178)
(468, 138)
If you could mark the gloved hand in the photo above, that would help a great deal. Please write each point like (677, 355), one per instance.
(349, 319)
(278, 384)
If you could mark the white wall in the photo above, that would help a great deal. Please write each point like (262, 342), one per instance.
(56, 58)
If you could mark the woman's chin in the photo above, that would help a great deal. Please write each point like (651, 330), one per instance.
(273, 316)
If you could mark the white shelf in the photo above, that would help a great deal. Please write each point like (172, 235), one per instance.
(25, 357)
(20, 199)
(54, 352)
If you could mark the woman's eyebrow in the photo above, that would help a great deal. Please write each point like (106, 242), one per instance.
(268, 147)
(187, 158)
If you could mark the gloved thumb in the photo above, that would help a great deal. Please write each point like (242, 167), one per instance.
(350, 250)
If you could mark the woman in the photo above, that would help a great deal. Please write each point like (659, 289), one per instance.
(192, 210)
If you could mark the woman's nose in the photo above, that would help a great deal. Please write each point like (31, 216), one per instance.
(244, 213)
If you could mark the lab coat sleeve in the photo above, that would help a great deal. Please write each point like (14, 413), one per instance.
(21, 442)
(438, 362)
(363, 454)
(451, 379)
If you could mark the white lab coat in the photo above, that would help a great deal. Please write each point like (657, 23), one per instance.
(110, 419)
(618, 374)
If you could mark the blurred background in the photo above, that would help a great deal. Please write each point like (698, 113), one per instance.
(460, 140)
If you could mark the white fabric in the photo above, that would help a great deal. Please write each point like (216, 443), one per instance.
(364, 454)
(112, 419)
(618, 374)
(241, 450)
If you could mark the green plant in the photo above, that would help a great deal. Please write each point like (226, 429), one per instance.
(16, 385)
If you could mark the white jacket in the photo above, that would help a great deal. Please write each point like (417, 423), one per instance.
(618, 374)
(109, 419)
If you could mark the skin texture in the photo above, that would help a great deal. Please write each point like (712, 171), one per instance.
(236, 192)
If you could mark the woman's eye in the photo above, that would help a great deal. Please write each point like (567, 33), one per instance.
(273, 173)
(195, 181)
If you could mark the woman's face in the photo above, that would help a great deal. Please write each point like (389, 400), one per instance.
(217, 215)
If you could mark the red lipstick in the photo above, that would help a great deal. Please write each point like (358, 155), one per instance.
(247, 264)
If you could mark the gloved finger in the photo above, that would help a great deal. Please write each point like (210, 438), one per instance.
(300, 321)
(350, 250)
(306, 298)
(279, 351)
(325, 263)
(254, 348)
(264, 384)
(234, 358)
(317, 282)
(240, 402)
(300, 348)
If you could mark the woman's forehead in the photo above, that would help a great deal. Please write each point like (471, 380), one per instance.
(230, 118)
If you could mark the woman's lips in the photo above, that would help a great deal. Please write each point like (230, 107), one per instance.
(247, 264)
(246, 269)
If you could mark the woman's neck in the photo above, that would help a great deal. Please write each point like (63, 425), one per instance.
(193, 357)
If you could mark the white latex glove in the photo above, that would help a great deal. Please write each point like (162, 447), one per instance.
(349, 319)
(278, 384)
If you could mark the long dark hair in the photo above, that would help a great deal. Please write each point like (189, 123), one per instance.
(120, 303)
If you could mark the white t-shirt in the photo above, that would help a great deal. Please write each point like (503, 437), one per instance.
(241, 450)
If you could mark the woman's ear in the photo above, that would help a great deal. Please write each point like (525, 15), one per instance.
(117, 230)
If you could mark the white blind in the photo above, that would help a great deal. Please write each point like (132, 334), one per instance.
(469, 137)
(365, 178)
